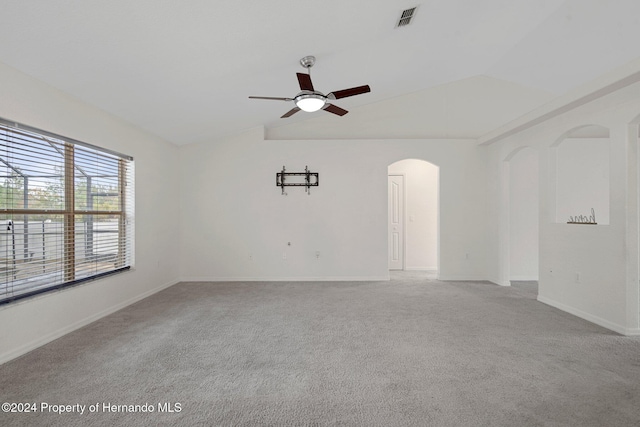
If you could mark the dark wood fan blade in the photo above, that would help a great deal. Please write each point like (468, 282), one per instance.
(290, 113)
(271, 97)
(350, 92)
(305, 81)
(334, 109)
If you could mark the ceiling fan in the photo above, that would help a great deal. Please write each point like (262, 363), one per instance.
(309, 99)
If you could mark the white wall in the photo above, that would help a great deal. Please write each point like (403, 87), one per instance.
(236, 225)
(523, 215)
(585, 270)
(421, 215)
(35, 321)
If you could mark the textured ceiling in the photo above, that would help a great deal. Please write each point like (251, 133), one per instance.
(183, 69)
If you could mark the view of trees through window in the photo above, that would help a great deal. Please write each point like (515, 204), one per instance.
(51, 196)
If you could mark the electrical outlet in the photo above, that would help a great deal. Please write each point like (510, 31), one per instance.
(317, 254)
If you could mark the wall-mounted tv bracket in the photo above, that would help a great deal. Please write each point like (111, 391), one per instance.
(311, 179)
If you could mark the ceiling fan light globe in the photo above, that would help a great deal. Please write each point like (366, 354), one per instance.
(310, 103)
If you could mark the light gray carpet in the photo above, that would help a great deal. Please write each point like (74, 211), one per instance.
(410, 352)
(527, 286)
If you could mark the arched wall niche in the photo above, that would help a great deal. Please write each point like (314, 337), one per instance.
(583, 131)
(580, 175)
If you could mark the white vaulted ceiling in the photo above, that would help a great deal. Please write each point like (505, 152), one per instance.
(183, 69)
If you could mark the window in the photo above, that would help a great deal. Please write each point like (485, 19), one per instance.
(66, 211)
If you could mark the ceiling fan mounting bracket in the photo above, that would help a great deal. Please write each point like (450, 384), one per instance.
(308, 61)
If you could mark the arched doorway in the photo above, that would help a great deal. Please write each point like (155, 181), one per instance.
(413, 219)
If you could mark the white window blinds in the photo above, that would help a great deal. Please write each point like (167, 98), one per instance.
(66, 211)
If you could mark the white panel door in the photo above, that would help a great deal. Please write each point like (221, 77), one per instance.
(396, 222)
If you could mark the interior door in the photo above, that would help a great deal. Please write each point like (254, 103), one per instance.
(396, 222)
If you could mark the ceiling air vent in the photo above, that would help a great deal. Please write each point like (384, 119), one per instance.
(406, 17)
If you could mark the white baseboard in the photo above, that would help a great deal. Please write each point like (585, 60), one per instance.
(287, 279)
(421, 269)
(590, 317)
(632, 332)
(496, 281)
(524, 278)
(462, 279)
(17, 352)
